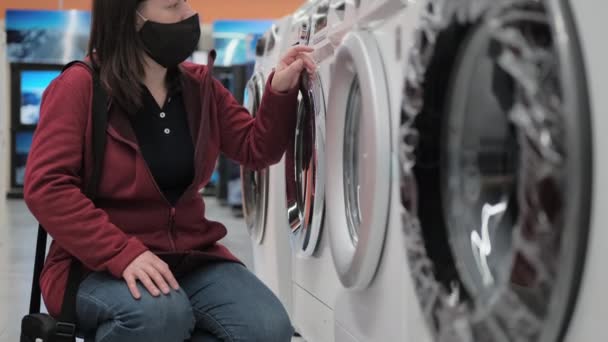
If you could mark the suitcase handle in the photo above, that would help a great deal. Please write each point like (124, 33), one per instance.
(46, 328)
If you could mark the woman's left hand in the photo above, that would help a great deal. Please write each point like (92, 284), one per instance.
(287, 73)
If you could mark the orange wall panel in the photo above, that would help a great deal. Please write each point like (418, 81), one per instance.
(26, 4)
(209, 10)
(77, 4)
(245, 9)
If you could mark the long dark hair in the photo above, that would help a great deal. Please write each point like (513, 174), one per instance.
(116, 49)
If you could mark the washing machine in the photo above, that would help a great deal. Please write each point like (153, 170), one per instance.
(500, 138)
(261, 206)
(315, 282)
(363, 195)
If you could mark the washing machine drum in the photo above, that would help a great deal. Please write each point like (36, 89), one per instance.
(502, 162)
(255, 183)
(305, 169)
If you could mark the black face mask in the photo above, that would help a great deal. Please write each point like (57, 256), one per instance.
(170, 44)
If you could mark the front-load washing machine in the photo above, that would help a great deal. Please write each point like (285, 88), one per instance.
(261, 206)
(315, 283)
(363, 192)
(500, 133)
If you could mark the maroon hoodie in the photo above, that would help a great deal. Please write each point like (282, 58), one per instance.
(131, 215)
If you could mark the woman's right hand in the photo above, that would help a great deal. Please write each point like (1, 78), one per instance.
(152, 272)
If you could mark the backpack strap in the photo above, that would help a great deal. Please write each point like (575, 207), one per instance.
(66, 325)
(100, 122)
(38, 265)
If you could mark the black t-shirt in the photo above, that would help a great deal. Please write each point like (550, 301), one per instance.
(165, 141)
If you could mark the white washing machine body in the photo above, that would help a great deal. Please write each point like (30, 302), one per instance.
(377, 300)
(342, 17)
(587, 323)
(500, 140)
(315, 283)
(262, 203)
(368, 11)
(277, 43)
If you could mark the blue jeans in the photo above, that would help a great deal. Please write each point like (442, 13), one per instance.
(218, 302)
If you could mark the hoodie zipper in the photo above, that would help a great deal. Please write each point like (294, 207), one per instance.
(172, 215)
(171, 231)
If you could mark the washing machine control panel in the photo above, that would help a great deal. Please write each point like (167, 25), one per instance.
(304, 35)
(299, 32)
(320, 32)
(341, 19)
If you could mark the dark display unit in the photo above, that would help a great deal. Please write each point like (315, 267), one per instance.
(234, 78)
(28, 83)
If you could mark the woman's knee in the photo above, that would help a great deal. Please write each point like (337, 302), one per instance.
(163, 318)
(271, 324)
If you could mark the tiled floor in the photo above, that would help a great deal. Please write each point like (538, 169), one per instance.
(17, 248)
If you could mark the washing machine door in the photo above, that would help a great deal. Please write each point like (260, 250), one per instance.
(359, 159)
(503, 170)
(305, 169)
(255, 183)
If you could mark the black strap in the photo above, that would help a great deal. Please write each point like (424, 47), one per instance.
(38, 264)
(100, 120)
(67, 318)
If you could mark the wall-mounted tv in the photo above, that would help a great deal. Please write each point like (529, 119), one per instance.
(33, 85)
(22, 142)
(28, 83)
(235, 40)
(46, 36)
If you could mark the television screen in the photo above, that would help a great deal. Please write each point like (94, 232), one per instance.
(33, 83)
(235, 40)
(47, 36)
(23, 143)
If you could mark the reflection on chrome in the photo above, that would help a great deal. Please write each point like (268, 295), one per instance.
(254, 183)
(482, 245)
(293, 213)
(304, 170)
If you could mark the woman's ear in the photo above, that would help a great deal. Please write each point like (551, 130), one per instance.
(139, 21)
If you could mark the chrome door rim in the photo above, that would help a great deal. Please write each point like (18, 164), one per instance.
(255, 183)
(305, 207)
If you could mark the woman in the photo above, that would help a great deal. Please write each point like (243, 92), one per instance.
(155, 269)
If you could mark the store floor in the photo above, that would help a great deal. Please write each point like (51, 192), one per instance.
(17, 249)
